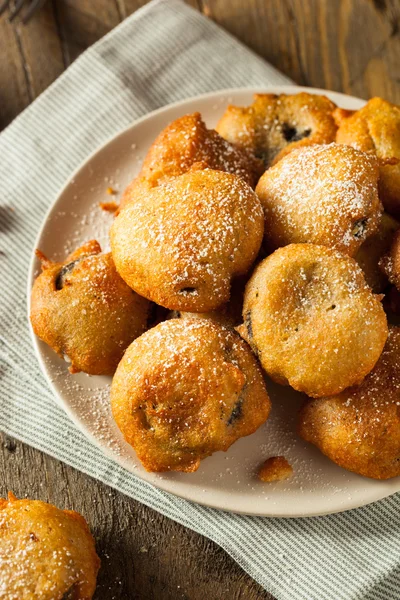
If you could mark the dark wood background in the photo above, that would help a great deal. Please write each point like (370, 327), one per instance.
(351, 46)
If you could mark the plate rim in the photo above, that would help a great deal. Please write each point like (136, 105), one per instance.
(290, 89)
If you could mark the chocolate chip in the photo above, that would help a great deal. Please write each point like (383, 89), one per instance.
(66, 269)
(237, 411)
(291, 134)
(70, 594)
(249, 326)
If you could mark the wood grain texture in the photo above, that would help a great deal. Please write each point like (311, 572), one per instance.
(82, 22)
(14, 87)
(351, 46)
(144, 555)
(346, 45)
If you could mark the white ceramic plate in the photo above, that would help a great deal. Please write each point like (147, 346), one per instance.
(224, 480)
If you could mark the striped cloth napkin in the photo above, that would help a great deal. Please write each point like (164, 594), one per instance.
(147, 62)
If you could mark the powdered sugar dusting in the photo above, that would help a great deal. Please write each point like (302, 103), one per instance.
(321, 194)
(206, 226)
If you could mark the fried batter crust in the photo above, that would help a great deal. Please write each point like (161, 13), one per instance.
(45, 553)
(185, 389)
(275, 125)
(312, 319)
(375, 129)
(359, 429)
(184, 143)
(183, 242)
(325, 194)
(275, 468)
(390, 262)
(374, 249)
(85, 311)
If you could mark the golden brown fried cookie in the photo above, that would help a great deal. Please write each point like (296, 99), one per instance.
(325, 194)
(184, 143)
(183, 242)
(186, 389)
(359, 429)
(84, 310)
(312, 320)
(375, 129)
(372, 251)
(275, 125)
(45, 553)
(390, 262)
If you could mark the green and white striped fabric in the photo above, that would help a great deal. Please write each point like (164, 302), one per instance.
(163, 53)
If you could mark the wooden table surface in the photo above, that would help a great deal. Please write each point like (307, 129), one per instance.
(351, 46)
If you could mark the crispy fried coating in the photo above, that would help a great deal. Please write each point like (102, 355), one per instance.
(183, 242)
(45, 553)
(312, 319)
(275, 468)
(390, 262)
(185, 389)
(359, 429)
(325, 194)
(229, 315)
(373, 250)
(84, 310)
(275, 125)
(375, 129)
(184, 143)
(340, 114)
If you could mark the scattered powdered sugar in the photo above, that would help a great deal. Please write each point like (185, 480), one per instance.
(206, 253)
(199, 224)
(30, 547)
(321, 194)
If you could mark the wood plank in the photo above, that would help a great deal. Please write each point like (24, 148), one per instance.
(346, 45)
(82, 22)
(41, 49)
(127, 7)
(349, 45)
(144, 555)
(268, 27)
(14, 84)
(31, 59)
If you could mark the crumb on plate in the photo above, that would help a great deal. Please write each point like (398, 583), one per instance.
(275, 468)
(109, 206)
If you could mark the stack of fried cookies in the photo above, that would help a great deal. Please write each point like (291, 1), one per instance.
(266, 247)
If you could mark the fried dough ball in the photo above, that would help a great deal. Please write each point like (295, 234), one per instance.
(375, 129)
(312, 319)
(84, 310)
(181, 243)
(340, 114)
(275, 468)
(186, 389)
(182, 144)
(45, 553)
(324, 194)
(275, 125)
(390, 263)
(359, 429)
(229, 315)
(372, 251)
